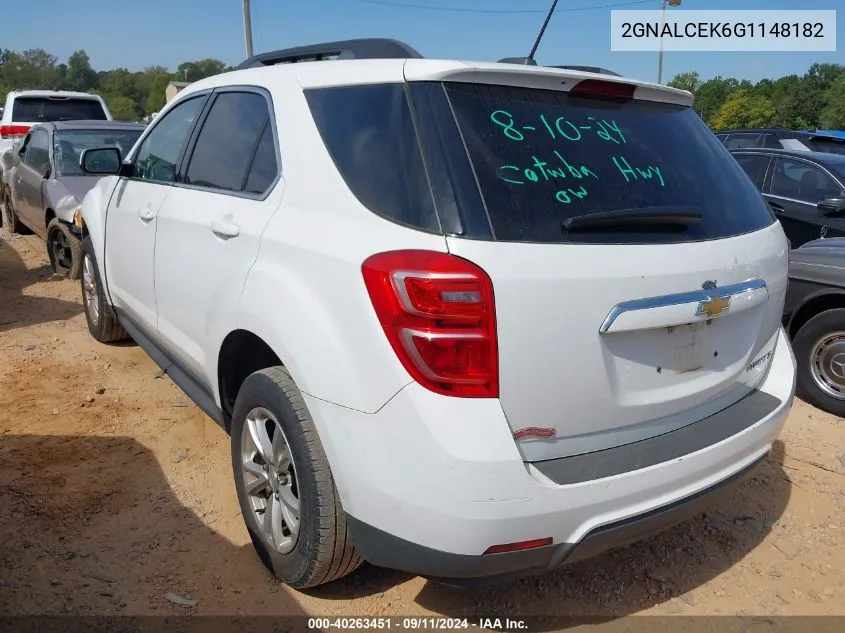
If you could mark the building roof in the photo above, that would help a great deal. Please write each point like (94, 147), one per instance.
(179, 84)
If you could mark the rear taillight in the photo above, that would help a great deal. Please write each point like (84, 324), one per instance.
(11, 131)
(600, 88)
(438, 313)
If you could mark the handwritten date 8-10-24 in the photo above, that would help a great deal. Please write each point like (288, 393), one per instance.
(559, 128)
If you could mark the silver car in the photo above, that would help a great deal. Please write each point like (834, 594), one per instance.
(45, 184)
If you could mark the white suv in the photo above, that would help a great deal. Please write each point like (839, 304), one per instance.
(468, 320)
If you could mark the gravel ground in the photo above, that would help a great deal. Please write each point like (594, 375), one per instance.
(116, 497)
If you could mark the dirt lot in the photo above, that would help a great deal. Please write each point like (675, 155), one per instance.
(116, 491)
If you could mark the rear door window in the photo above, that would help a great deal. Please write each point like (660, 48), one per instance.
(37, 154)
(802, 181)
(228, 142)
(542, 156)
(44, 109)
(755, 166)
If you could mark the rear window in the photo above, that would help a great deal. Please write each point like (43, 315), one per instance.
(829, 146)
(69, 145)
(42, 109)
(370, 134)
(541, 157)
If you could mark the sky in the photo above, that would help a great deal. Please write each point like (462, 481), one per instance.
(134, 35)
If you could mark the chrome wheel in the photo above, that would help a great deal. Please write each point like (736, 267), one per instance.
(827, 364)
(89, 290)
(270, 479)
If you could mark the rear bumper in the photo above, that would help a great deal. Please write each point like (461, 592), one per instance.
(387, 550)
(431, 482)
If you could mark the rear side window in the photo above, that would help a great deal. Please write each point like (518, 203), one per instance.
(541, 157)
(802, 181)
(228, 142)
(771, 141)
(41, 109)
(830, 146)
(738, 141)
(265, 166)
(37, 153)
(755, 166)
(370, 135)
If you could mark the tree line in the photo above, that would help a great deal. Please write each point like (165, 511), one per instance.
(129, 95)
(813, 101)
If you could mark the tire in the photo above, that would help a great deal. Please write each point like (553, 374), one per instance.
(322, 549)
(102, 322)
(64, 249)
(10, 218)
(819, 348)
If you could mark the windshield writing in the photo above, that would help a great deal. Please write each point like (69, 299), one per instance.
(557, 167)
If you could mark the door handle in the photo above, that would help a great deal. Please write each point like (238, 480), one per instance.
(146, 214)
(223, 228)
(778, 209)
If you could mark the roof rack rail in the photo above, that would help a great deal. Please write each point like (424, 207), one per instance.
(367, 48)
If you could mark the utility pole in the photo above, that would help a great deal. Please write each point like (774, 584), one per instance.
(247, 29)
(674, 3)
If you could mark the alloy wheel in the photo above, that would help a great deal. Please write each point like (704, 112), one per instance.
(270, 479)
(89, 289)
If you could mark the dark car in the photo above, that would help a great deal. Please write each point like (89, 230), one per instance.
(814, 316)
(806, 190)
(777, 138)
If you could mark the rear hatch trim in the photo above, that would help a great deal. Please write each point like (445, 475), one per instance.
(674, 309)
(663, 448)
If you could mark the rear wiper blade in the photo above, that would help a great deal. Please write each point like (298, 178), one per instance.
(656, 217)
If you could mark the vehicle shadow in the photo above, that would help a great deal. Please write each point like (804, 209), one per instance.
(19, 309)
(622, 582)
(90, 526)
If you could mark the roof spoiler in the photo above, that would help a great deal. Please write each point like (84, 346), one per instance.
(590, 69)
(525, 61)
(368, 48)
(529, 61)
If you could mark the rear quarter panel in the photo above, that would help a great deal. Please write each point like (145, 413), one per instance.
(305, 296)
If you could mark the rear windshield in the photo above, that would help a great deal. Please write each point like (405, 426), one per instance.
(541, 157)
(43, 109)
(830, 146)
(69, 145)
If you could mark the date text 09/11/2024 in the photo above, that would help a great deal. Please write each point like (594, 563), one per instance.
(541, 171)
(416, 623)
